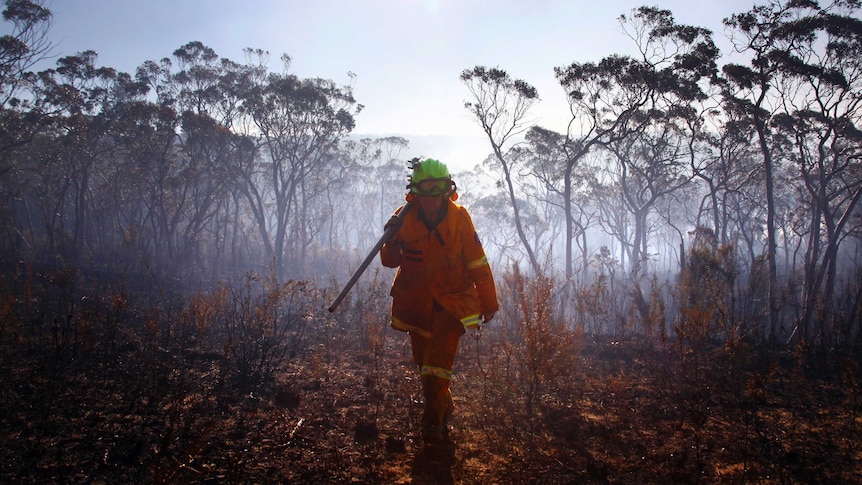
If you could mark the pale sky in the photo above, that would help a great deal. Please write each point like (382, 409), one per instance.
(406, 54)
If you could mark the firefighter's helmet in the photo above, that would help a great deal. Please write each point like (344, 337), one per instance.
(430, 177)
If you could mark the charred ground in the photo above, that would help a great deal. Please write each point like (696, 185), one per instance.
(156, 391)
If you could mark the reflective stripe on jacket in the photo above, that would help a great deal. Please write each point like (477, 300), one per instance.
(446, 264)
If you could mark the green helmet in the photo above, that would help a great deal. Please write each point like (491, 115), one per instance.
(430, 177)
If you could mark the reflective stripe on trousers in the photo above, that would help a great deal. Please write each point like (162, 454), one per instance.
(435, 356)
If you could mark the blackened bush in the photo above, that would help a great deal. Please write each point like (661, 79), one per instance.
(264, 324)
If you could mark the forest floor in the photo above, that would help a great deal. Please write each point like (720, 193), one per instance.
(628, 413)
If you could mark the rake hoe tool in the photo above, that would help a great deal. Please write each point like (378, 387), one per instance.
(371, 254)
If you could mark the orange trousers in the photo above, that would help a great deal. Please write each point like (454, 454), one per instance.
(435, 357)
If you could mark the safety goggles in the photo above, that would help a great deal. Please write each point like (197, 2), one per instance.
(432, 187)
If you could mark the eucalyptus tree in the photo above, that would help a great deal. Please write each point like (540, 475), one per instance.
(730, 177)
(169, 179)
(234, 82)
(389, 170)
(25, 45)
(537, 170)
(196, 82)
(190, 183)
(340, 229)
(642, 111)
(647, 168)
(208, 151)
(551, 163)
(731, 174)
(86, 104)
(616, 102)
(803, 64)
(604, 102)
(747, 96)
(503, 247)
(479, 189)
(146, 137)
(499, 104)
(614, 218)
(374, 184)
(174, 187)
(115, 98)
(821, 112)
(300, 124)
(209, 93)
(216, 87)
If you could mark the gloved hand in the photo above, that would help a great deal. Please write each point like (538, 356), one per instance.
(487, 317)
(393, 221)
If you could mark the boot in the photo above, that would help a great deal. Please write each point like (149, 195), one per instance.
(437, 409)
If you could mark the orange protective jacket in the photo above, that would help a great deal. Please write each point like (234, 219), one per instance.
(446, 265)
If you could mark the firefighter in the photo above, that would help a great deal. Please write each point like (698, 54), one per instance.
(443, 287)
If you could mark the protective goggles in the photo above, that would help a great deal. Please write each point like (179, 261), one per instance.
(432, 187)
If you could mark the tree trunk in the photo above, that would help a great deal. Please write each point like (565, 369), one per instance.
(534, 263)
(771, 245)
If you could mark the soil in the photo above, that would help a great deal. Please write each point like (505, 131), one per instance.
(627, 413)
